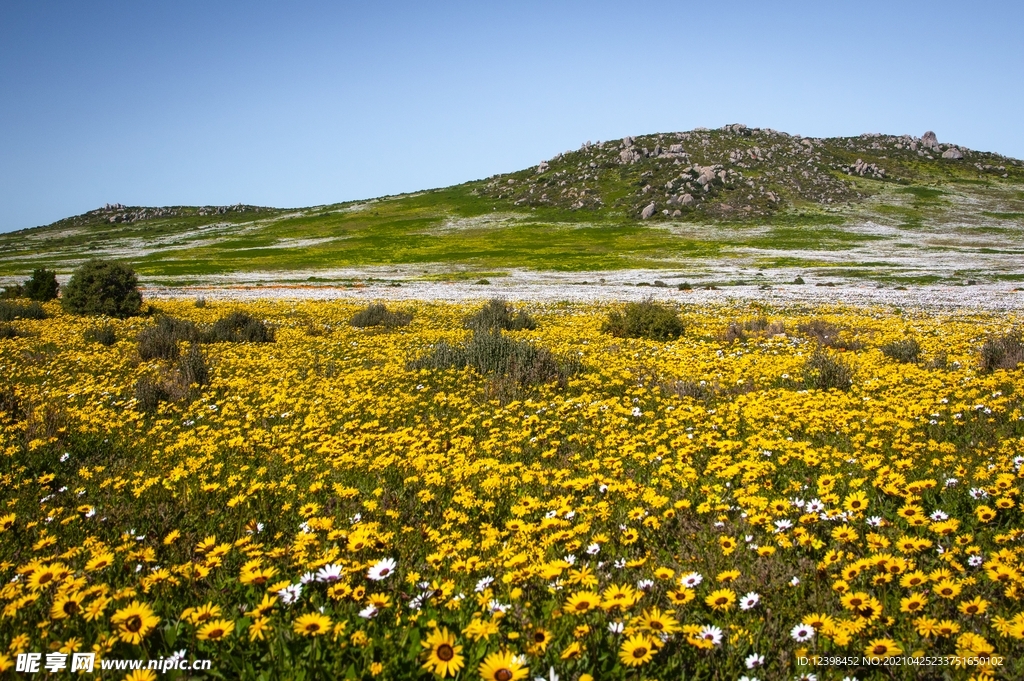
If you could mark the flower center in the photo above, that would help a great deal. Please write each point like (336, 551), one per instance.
(503, 675)
(445, 652)
(133, 623)
(639, 652)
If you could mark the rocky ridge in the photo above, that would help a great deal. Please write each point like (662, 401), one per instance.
(736, 172)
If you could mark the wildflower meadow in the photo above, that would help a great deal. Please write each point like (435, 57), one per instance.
(768, 493)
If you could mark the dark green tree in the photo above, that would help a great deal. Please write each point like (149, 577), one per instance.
(103, 287)
(42, 286)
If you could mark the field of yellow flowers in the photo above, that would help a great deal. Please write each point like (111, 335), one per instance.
(676, 510)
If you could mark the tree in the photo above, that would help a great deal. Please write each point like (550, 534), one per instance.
(42, 286)
(103, 287)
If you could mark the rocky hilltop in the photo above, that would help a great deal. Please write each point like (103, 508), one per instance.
(736, 172)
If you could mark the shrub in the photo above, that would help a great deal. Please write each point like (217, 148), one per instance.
(498, 315)
(827, 335)
(238, 327)
(160, 341)
(8, 331)
(10, 311)
(13, 291)
(492, 353)
(700, 391)
(193, 368)
(42, 286)
(200, 302)
(1003, 352)
(825, 371)
(377, 314)
(907, 351)
(103, 287)
(644, 320)
(104, 335)
(10, 403)
(149, 393)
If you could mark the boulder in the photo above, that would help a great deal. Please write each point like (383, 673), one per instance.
(686, 200)
(953, 153)
(929, 140)
(543, 167)
(627, 142)
(648, 211)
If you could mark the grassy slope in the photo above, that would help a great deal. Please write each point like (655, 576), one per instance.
(775, 194)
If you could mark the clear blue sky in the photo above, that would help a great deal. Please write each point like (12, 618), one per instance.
(304, 103)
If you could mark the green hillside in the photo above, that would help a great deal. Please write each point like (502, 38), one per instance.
(655, 201)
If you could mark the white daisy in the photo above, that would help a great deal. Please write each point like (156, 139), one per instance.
(691, 580)
(329, 573)
(749, 601)
(754, 661)
(382, 569)
(710, 632)
(802, 633)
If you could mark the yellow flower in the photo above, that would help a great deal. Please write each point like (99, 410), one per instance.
(312, 624)
(443, 654)
(502, 666)
(215, 630)
(721, 599)
(977, 606)
(636, 650)
(883, 647)
(582, 601)
(913, 603)
(257, 629)
(134, 622)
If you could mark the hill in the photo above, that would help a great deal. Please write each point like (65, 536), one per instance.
(873, 205)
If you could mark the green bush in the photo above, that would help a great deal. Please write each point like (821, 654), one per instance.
(825, 371)
(160, 341)
(149, 393)
(193, 368)
(827, 335)
(103, 287)
(497, 315)
(907, 351)
(1003, 352)
(644, 320)
(8, 331)
(377, 314)
(104, 335)
(13, 291)
(491, 353)
(10, 311)
(238, 327)
(42, 286)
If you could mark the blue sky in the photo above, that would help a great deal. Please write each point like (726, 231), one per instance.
(305, 103)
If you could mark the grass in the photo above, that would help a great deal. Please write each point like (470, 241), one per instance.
(488, 226)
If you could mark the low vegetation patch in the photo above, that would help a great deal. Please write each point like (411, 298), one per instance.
(377, 314)
(827, 371)
(498, 315)
(1003, 352)
(647, 319)
(104, 335)
(238, 327)
(160, 341)
(907, 351)
(494, 354)
(9, 311)
(760, 326)
(828, 335)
